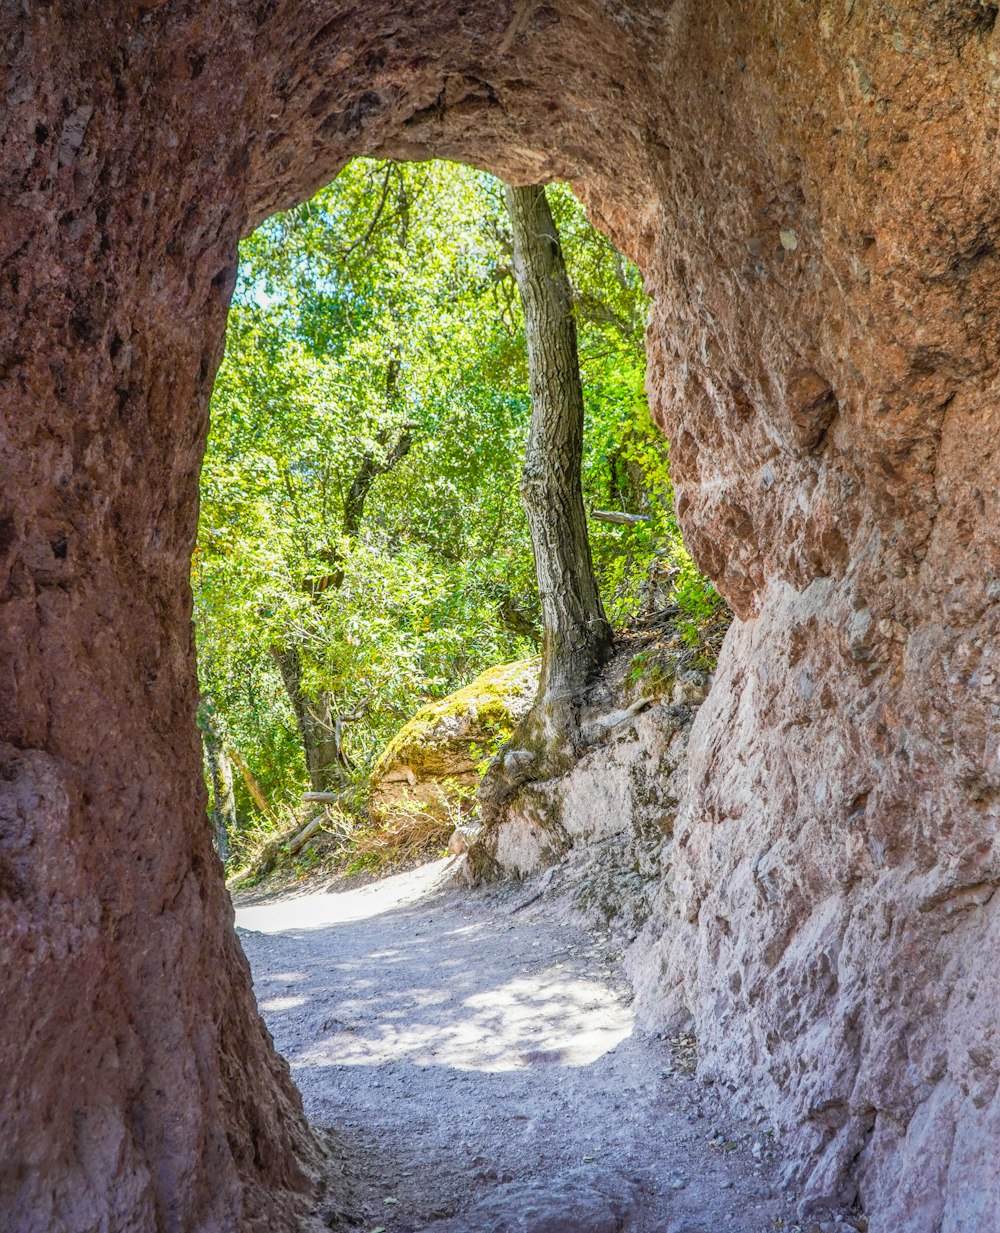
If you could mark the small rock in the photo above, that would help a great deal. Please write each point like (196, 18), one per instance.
(458, 844)
(517, 760)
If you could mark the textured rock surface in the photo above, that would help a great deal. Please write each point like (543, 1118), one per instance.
(828, 380)
(624, 787)
(609, 820)
(812, 192)
(432, 764)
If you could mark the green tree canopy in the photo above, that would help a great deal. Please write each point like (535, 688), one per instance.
(376, 333)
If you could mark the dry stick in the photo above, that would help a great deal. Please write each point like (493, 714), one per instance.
(622, 520)
(302, 838)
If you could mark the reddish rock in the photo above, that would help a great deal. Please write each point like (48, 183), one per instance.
(811, 190)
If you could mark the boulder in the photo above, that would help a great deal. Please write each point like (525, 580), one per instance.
(434, 762)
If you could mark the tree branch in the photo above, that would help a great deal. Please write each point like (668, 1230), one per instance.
(622, 520)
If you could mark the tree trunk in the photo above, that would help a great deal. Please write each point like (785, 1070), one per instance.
(221, 771)
(252, 786)
(316, 728)
(576, 635)
(319, 725)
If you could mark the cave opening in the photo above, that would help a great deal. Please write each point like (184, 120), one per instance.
(451, 1045)
(362, 547)
(810, 192)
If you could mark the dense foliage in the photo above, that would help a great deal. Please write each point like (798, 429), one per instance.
(360, 509)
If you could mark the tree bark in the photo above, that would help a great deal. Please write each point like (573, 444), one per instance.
(576, 635)
(324, 762)
(221, 771)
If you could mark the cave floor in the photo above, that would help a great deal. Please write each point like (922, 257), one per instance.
(477, 1055)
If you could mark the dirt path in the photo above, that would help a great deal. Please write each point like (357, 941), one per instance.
(481, 1059)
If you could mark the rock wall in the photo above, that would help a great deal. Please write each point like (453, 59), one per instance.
(616, 807)
(139, 1089)
(811, 189)
(604, 830)
(828, 379)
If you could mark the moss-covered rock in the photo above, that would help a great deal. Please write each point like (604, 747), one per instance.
(434, 762)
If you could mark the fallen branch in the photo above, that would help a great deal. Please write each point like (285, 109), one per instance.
(622, 520)
(300, 840)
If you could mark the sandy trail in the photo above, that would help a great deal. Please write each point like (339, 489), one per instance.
(475, 1053)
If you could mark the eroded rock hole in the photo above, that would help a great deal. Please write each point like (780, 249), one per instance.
(808, 189)
(474, 1049)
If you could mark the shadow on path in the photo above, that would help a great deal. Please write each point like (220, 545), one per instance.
(462, 1046)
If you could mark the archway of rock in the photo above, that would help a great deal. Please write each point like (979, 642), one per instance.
(812, 197)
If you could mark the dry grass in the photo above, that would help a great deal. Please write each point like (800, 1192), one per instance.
(345, 844)
(401, 838)
(255, 841)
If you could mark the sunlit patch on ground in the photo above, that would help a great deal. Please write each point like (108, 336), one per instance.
(273, 1005)
(543, 1019)
(550, 1016)
(319, 910)
(459, 1043)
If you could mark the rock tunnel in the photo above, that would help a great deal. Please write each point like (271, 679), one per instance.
(811, 190)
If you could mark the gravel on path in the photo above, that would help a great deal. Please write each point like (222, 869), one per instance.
(478, 1056)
